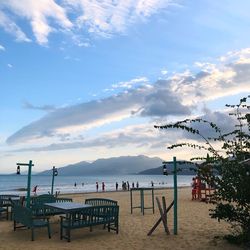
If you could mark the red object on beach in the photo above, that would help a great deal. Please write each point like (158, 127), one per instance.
(194, 194)
(196, 188)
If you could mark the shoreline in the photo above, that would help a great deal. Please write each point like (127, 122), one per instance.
(106, 191)
(121, 191)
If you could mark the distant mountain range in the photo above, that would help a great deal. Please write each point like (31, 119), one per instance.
(119, 166)
(112, 166)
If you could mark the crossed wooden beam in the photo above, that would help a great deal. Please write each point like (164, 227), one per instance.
(163, 212)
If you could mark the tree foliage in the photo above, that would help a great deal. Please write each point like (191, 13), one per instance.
(227, 167)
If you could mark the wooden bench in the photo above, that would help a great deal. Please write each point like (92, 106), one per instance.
(37, 204)
(5, 210)
(100, 202)
(88, 217)
(24, 216)
(6, 204)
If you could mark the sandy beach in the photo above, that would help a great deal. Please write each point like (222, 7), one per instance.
(196, 230)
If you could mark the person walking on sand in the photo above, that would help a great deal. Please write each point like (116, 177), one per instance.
(116, 186)
(97, 186)
(103, 186)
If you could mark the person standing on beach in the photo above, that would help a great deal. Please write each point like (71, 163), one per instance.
(137, 184)
(75, 184)
(103, 186)
(116, 186)
(128, 185)
(194, 189)
(123, 186)
(97, 186)
(34, 190)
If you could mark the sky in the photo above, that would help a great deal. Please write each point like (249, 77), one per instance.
(87, 79)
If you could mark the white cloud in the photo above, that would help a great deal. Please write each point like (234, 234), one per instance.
(164, 72)
(38, 13)
(139, 101)
(74, 17)
(173, 97)
(228, 77)
(131, 83)
(10, 26)
(2, 47)
(107, 17)
(10, 65)
(143, 135)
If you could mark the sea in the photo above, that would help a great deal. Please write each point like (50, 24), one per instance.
(17, 184)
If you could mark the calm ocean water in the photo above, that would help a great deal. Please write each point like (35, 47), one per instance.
(13, 184)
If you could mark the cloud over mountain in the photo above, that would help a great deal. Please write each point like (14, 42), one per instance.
(96, 113)
(177, 95)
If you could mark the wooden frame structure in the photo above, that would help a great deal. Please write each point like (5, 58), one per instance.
(164, 218)
(142, 204)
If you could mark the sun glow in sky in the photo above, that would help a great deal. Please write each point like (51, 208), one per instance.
(82, 80)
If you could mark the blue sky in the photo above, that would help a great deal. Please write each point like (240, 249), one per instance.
(82, 80)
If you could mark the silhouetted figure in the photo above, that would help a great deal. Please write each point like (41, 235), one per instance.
(152, 184)
(97, 186)
(137, 184)
(103, 186)
(116, 186)
(128, 185)
(133, 185)
(34, 189)
(75, 184)
(124, 186)
(194, 189)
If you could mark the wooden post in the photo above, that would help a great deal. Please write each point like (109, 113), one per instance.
(175, 198)
(153, 203)
(131, 201)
